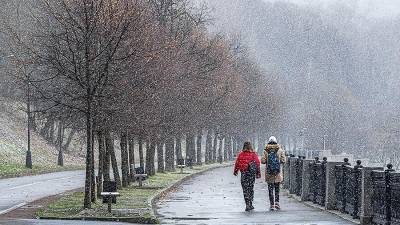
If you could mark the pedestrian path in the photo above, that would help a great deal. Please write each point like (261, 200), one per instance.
(216, 198)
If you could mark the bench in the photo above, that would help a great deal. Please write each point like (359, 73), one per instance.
(140, 175)
(109, 193)
(109, 196)
(181, 164)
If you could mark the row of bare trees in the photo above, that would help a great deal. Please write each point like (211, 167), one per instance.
(145, 72)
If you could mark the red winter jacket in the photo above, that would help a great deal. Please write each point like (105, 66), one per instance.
(243, 160)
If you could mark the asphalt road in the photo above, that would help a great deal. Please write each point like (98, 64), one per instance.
(57, 222)
(16, 192)
(216, 198)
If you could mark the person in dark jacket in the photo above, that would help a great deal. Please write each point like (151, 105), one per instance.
(249, 165)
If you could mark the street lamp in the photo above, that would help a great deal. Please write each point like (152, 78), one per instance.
(301, 133)
(324, 139)
(28, 161)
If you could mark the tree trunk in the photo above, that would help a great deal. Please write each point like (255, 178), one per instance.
(106, 159)
(260, 145)
(141, 159)
(178, 148)
(214, 150)
(228, 143)
(169, 155)
(294, 145)
(160, 157)
(50, 138)
(60, 132)
(150, 154)
(226, 158)
(93, 176)
(111, 151)
(190, 147)
(131, 157)
(198, 149)
(44, 132)
(208, 155)
(87, 199)
(124, 159)
(220, 153)
(69, 140)
(102, 154)
(235, 148)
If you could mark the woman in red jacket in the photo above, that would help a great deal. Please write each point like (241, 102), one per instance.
(249, 165)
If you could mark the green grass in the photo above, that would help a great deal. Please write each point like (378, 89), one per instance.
(17, 170)
(132, 198)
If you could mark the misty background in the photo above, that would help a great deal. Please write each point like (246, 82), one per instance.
(334, 65)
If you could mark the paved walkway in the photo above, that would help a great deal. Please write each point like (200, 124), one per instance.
(216, 198)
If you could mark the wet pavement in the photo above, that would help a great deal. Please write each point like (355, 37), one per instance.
(216, 198)
(16, 192)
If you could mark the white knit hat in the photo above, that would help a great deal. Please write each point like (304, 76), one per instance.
(272, 139)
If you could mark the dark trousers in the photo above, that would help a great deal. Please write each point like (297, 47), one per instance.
(273, 191)
(247, 180)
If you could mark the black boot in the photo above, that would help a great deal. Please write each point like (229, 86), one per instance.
(251, 205)
(248, 208)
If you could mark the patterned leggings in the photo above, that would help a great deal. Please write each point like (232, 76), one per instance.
(247, 181)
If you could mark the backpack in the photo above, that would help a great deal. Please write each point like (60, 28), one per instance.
(273, 164)
(252, 169)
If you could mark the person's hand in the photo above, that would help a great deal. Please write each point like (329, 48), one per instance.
(235, 174)
(258, 176)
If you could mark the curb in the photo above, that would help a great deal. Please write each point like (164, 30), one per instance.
(154, 199)
(333, 212)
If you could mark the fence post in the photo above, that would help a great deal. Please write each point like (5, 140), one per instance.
(322, 188)
(315, 180)
(286, 169)
(344, 184)
(388, 194)
(299, 176)
(306, 181)
(357, 189)
(367, 211)
(292, 175)
(330, 197)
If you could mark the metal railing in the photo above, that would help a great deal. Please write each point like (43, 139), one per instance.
(299, 175)
(348, 185)
(386, 197)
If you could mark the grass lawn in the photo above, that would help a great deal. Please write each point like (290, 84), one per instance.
(133, 205)
(17, 170)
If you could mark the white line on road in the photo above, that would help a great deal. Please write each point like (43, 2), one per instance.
(12, 208)
(26, 185)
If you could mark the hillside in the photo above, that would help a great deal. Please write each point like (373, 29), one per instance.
(13, 145)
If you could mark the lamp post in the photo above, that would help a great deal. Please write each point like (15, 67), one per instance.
(28, 161)
(324, 139)
(28, 158)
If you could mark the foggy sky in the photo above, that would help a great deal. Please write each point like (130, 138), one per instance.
(369, 8)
